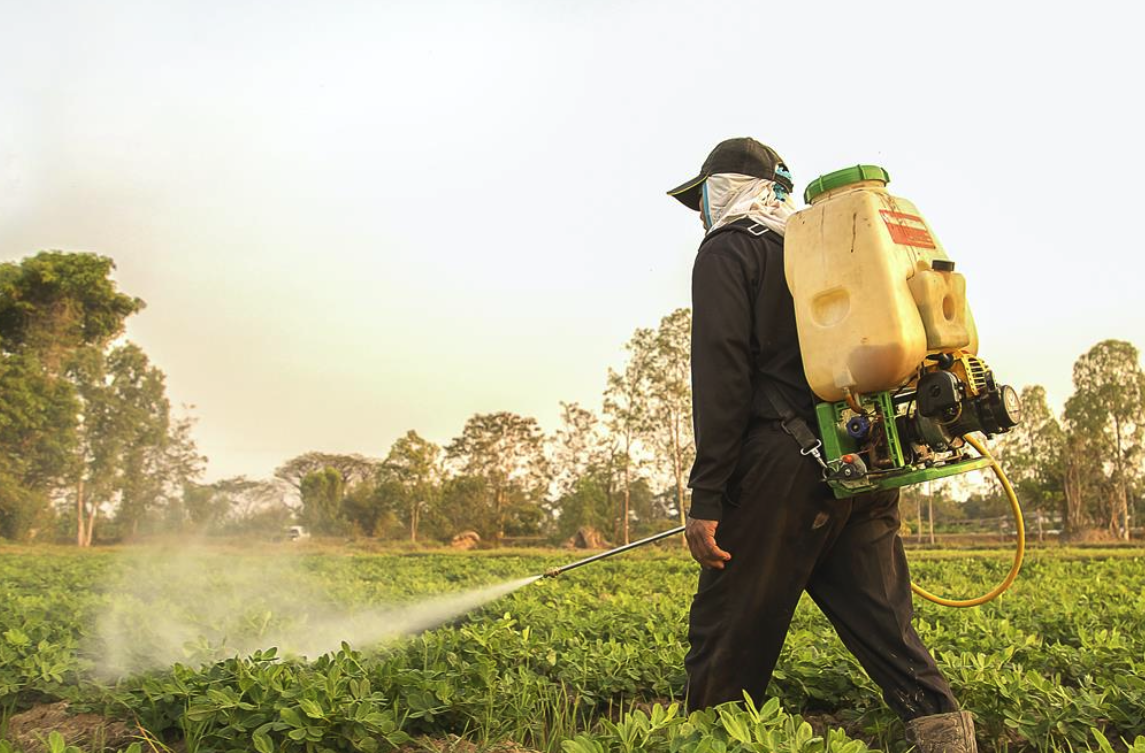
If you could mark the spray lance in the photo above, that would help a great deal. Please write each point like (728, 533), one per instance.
(596, 557)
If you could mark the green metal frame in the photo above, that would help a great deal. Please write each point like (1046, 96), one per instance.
(837, 443)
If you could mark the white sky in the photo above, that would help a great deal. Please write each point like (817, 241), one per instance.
(352, 219)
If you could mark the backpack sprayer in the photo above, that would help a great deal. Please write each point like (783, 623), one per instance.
(890, 347)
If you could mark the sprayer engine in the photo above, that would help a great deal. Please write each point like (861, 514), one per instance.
(915, 434)
(957, 397)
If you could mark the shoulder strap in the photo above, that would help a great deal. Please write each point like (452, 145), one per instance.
(792, 423)
(743, 226)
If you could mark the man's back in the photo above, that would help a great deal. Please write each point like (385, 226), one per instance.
(743, 332)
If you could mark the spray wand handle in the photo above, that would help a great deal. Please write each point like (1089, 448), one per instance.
(655, 537)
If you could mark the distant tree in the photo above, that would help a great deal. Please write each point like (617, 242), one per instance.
(238, 505)
(587, 503)
(650, 510)
(352, 468)
(1085, 484)
(140, 405)
(131, 454)
(627, 413)
(584, 466)
(204, 506)
(466, 504)
(1033, 454)
(669, 427)
(102, 435)
(576, 448)
(990, 503)
(506, 451)
(180, 467)
(1108, 410)
(930, 507)
(321, 494)
(374, 508)
(413, 468)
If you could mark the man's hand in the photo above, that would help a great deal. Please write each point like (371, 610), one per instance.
(701, 535)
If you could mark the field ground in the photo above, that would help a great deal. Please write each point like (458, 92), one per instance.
(197, 650)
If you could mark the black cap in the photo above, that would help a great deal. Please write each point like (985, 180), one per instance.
(743, 156)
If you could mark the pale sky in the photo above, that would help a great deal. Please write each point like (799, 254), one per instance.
(353, 219)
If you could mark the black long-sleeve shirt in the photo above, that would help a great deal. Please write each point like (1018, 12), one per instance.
(743, 331)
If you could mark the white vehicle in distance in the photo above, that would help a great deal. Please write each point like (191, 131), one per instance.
(297, 533)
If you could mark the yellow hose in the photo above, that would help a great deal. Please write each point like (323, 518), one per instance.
(978, 445)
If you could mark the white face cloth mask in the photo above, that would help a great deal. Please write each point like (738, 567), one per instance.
(728, 197)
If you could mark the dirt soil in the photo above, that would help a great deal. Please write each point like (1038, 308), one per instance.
(822, 721)
(455, 744)
(29, 730)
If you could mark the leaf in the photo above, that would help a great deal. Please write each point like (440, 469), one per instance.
(291, 717)
(311, 708)
(262, 743)
(17, 637)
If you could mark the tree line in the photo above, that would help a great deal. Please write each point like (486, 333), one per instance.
(89, 443)
(90, 447)
(620, 472)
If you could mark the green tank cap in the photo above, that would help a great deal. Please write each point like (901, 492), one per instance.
(844, 177)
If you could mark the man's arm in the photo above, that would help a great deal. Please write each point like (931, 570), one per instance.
(721, 372)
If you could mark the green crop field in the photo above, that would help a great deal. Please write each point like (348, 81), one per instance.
(182, 649)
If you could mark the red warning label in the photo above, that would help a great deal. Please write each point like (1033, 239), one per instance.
(907, 229)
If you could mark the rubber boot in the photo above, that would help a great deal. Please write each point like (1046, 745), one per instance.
(942, 733)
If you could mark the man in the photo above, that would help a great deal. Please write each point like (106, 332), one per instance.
(763, 524)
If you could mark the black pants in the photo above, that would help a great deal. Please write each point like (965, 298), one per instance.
(787, 533)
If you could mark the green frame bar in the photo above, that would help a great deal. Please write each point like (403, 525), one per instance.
(917, 476)
(837, 443)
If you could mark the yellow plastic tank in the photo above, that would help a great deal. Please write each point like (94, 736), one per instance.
(874, 290)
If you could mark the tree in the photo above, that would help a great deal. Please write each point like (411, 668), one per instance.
(627, 411)
(37, 441)
(1033, 453)
(1108, 410)
(577, 448)
(321, 493)
(586, 504)
(670, 401)
(237, 504)
(584, 467)
(54, 307)
(100, 438)
(374, 509)
(143, 413)
(465, 504)
(414, 466)
(204, 506)
(352, 468)
(129, 451)
(180, 467)
(506, 451)
(55, 302)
